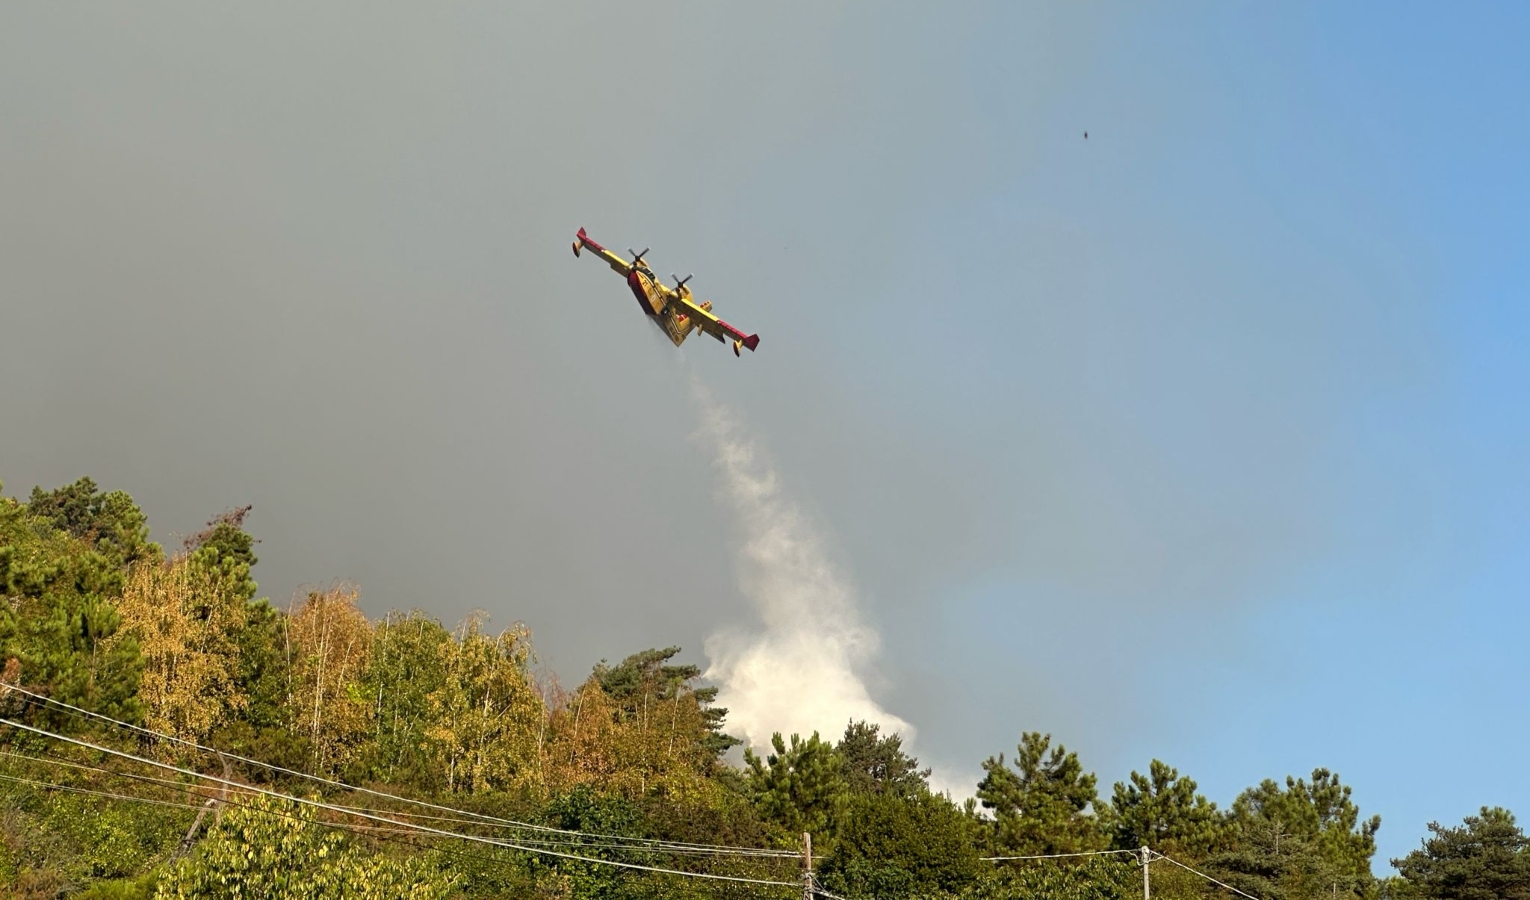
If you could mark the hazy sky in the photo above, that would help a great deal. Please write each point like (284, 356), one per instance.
(1203, 439)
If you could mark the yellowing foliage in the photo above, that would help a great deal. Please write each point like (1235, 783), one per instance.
(186, 618)
(657, 749)
(331, 641)
(487, 714)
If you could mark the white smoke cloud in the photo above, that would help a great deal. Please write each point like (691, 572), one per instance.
(799, 673)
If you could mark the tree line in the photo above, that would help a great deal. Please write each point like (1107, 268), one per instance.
(171, 658)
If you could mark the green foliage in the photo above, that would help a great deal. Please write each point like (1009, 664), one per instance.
(272, 848)
(139, 888)
(1162, 810)
(55, 837)
(582, 809)
(91, 614)
(60, 616)
(1096, 878)
(224, 545)
(723, 817)
(1291, 841)
(642, 673)
(1266, 860)
(878, 765)
(263, 730)
(1485, 858)
(110, 523)
(486, 713)
(800, 788)
(894, 846)
(408, 668)
(645, 675)
(1043, 804)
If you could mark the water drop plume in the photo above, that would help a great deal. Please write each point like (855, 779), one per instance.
(801, 670)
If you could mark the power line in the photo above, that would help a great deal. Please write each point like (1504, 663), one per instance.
(818, 889)
(1155, 854)
(595, 844)
(1222, 884)
(414, 828)
(52, 786)
(495, 820)
(192, 788)
(1057, 855)
(59, 761)
(189, 788)
(354, 829)
(235, 802)
(318, 804)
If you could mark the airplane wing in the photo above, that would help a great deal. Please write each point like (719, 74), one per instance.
(582, 242)
(703, 319)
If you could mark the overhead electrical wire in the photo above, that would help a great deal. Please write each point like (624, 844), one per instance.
(463, 817)
(1154, 856)
(70, 764)
(480, 817)
(818, 890)
(231, 801)
(425, 829)
(1221, 884)
(1058, 855)
(600, 843)
(69, 788)
(408, 828)
(193, 788)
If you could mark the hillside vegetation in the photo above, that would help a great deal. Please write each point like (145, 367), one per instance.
(167, 733)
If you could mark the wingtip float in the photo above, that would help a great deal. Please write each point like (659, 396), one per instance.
(672, 309)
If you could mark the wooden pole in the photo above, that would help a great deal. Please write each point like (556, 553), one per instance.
(807, 866)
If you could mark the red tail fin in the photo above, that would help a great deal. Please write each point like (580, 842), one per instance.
(584, 241)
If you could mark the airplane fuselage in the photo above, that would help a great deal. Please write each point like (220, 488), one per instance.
(676, 325)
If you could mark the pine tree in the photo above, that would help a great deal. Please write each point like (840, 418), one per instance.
(877, 765)
(800, 788)
(110, 523)
(1300, 839)
(59, 615)
(1487, 857)
(1162, 810)
(1043, 804)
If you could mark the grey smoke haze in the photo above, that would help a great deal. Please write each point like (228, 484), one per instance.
(1074, 416)
(316, 260)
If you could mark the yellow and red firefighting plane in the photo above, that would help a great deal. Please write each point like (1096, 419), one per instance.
(670, 308)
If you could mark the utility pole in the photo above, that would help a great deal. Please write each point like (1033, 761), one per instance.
(1147, 889)
(807, 866)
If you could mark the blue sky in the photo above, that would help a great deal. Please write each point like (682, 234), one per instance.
(1202, 439)
(1343, 192)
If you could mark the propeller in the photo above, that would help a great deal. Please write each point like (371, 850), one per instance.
(680, 282)
(637, 258)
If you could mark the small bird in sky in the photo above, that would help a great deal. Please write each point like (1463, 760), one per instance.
(1086, 135)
